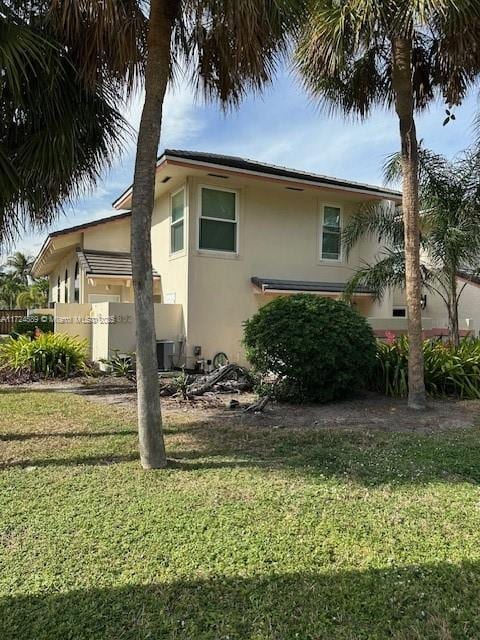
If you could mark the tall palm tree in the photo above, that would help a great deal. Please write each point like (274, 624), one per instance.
(10, 287)
(225, 48)
(355, 55)
(449, 231)
(20, 264)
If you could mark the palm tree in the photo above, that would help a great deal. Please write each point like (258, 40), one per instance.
(355, 55)
(58, 129)
(449, 231)
(36, 296)
(10, 287)
(21, 265)
(225, 48)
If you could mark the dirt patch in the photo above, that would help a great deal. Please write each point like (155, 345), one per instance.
(368, 410)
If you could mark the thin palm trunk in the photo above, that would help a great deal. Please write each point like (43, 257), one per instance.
(404, 103)
(453, 328)
(152, 448)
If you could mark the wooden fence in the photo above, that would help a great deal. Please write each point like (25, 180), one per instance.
(9, 318)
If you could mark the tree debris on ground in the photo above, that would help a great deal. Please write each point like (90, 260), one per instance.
(231, 378)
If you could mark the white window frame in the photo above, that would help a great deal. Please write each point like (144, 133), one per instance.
(172, 195)
(334, 205)
(219, 252)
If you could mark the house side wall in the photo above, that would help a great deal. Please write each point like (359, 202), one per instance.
(173, 269)
(278, 237)
(112, 236)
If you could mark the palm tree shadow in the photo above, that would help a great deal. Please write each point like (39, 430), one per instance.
(426, 601)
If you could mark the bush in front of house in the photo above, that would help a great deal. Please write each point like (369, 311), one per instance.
(28, 325)
(318, 349)
(449, 370)
(51, 354)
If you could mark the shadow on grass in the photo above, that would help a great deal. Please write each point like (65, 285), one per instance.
(21, 437)
(99, 460)
(428, 602)
(370, 458)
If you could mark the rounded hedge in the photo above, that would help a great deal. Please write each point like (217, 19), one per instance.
(321, 349)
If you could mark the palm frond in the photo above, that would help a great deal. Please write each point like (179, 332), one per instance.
(374, 220)
(387, 272)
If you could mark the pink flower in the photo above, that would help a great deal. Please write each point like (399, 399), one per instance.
(389, 337)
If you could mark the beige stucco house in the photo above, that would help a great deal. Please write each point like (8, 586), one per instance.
(228, 235)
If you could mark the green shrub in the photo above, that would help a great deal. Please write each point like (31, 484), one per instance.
(51, 354)
(449, 371)
(319, 349)
(28, 325)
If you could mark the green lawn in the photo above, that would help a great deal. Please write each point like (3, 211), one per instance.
(253, 533)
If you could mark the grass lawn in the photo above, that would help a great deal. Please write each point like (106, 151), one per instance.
(253, 533)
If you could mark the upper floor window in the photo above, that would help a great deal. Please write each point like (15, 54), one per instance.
(65, 284)
(218, 220)
(76, 285)
(331, 248)
(177, 220)
(58, 289)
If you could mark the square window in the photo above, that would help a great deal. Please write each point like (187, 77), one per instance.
(218, 220)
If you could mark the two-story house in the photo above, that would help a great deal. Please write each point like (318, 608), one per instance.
(228, 234)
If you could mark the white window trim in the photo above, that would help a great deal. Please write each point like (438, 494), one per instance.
(340, 258)
(172, 195)
(219, 252)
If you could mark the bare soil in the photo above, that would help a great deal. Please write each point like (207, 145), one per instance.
(367, 410)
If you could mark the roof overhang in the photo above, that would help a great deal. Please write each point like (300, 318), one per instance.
(237, 167)
(271, 286)
(59, 243)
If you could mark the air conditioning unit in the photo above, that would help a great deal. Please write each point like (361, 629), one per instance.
(165, 354)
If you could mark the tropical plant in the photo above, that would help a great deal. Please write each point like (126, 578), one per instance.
(10, 288)
(449, 370)
(58, 128)
(355, 55)
(20, 265)
(449, 238)
(51, 354)
(35, 296)
(319, 349)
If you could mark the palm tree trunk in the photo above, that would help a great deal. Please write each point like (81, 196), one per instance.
(152, 447)
(453, 329)
(402, 86)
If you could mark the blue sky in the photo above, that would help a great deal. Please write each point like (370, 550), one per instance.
(283, 126)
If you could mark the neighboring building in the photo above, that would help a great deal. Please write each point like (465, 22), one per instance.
(228, 235)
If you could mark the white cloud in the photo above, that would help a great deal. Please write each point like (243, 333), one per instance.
(182, 116)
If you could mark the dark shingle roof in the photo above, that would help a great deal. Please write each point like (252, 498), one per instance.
(246, 164)
(269, 284)
(106, 263)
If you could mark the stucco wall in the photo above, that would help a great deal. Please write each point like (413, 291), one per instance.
(468, 309)
(173, 269)
(113, 327)
(279, 237)
(74, 320)
(115, 236)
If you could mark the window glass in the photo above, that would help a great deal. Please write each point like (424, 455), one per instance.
(218, 221)
(331, 234)
(217, 236)
(177, 224)
(178, 205)
(76, 285)
(218, 204)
